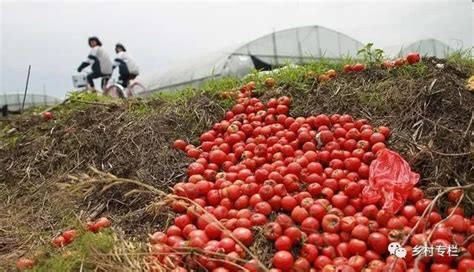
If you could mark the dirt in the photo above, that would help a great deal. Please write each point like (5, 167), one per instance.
(428, 110)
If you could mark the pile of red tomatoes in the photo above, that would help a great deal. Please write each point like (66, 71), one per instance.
(298, 182)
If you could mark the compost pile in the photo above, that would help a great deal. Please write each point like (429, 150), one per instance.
(424, 114)
(305, 185)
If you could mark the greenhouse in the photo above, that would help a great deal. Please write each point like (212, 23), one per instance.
(295, 45)
(15, 100)
(427, 47)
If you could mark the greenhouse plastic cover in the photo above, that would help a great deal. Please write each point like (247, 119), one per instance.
(14, 101)
(296, 45)
(427, 47)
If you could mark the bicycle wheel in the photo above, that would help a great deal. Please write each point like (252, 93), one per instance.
(115, 90)
(135, 89)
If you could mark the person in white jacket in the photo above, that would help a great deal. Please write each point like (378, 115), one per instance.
(100, 63)
(128, 68)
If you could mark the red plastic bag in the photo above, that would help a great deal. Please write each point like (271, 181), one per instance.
(390, 180)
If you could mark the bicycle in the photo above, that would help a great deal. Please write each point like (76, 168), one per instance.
(115, 89)
(79, 81)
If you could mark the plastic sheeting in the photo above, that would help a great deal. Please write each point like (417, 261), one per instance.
(299, 45)
(427, 47)
(14, 101)
(296, 45)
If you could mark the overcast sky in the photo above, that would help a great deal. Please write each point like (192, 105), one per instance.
(52, 36)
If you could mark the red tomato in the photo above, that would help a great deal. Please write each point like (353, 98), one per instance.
(179, 144)
(317, 211)
(356, 262)
(332, 239)
(408, 211)
(466, 265)
(282, 109)
(283, 243)
(370, 211)
(301, 264)
(347, 68)
(217, 156)
(258, 219)
(263, 208)
(310, 225)
(213, 230)
(284, 100)
(377, 137)
(357, 247)
(284, 221)
(227, 244)
(360, 232)
(195, 168)
(294, 234)
(378, 242)
(442, 233)
(400, 62)
(182, 220)
(385, 131)
(283, 260)
(377, 265)
(331, 223)
(275, 202)
(25, 263)
(321, 262)
(329, 251)
(174, 231)
(342, 250)
(358, 67)
(348, 223)
(47, 115)
(455, 195)
(298, 214)
(272, 231)
(413, 57)
(58, 241)
(352, 164)
(69, 235)
(371, 255)
(243, 235)
(456, 222)
(415, 195)
(421, 205)
(434, 218)
(339, 201)
(102, 222)
(288, 203)
(309, 252)
(455, 210)
(158, 237)
(395, 223)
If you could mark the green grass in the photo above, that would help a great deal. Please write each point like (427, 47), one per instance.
(89, 97)
(462, 58)
(413, 71)
(173, 96)
(215, 86)
(76, 255)
(139, 109)
(372, 98)
(8, 139)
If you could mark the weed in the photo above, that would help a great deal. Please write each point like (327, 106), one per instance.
(462, 58)
(75, 256)
(372, 56)
(413, 71)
